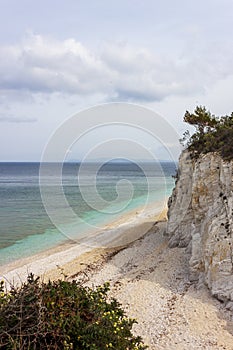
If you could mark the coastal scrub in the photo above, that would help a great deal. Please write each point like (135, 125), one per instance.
(63, 315)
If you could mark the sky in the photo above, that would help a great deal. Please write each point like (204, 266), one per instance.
(58, 58)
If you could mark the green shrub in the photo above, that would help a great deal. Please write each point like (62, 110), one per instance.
(213, 134)
(63, 315)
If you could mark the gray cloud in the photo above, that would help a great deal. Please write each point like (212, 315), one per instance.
(12, 119)
(39, 64)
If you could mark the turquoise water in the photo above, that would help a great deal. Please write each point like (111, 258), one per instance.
(25, 227)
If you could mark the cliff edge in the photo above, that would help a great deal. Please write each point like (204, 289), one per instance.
(200, 213)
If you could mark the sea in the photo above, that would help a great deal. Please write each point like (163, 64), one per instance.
(26, 226)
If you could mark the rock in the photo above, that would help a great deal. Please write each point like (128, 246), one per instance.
(200, 214)
(229, 306)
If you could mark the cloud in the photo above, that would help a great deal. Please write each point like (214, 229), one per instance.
(12, 119)
(40, 64)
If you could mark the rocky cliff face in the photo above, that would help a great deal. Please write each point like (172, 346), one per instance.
(200, 217)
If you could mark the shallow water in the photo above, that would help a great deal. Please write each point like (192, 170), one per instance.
(26, 229)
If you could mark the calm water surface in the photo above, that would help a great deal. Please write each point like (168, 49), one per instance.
(25, 227)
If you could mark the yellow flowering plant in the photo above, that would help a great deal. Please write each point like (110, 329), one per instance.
(63, 315)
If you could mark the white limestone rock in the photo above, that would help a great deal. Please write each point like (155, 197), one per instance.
(200, 218)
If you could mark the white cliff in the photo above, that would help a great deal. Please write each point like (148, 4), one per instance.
(200, 218)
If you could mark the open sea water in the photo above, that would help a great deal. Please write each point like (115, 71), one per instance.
(25, 227)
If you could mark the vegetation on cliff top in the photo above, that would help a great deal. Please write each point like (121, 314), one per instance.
(63, 315)
(213, 134)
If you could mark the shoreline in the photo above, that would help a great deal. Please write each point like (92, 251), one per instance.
(71, 257)
(151, 282)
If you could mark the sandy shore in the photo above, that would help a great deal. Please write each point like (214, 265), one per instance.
(149, 279)
(72, 257)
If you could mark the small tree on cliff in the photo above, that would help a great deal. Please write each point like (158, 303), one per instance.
(212, 134)
(201, 119)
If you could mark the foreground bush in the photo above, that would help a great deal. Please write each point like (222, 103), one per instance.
(63, 315)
